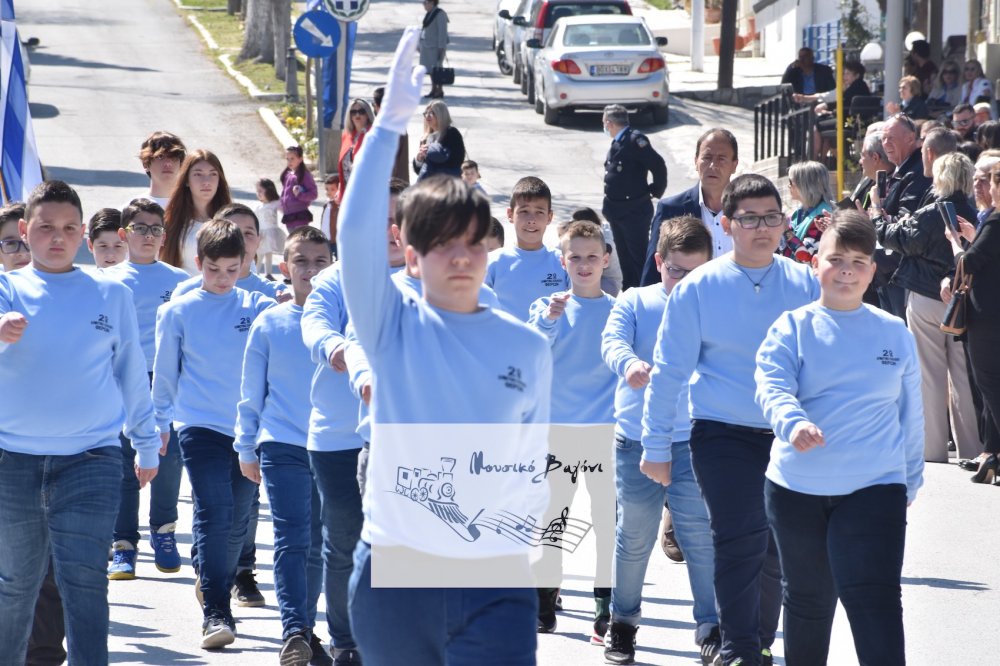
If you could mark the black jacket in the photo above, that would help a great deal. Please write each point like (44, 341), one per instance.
(685, 203)
(927, 256)
(629, 161)
(916, 109)
(982, 262)
(443, 156)
(907, 186)
(822, 75)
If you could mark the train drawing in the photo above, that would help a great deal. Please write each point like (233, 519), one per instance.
(435, 491)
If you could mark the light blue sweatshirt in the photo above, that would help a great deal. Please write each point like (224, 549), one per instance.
(77, 374)
(405, 281)
(583, 387)
(333, 419)
(856, 376)
(713, 324)
(251, 283)
(520, 277)
(152, 286)
(430, 365)
(200, 339)
(274, 395)
(631, 336)
(359, 373)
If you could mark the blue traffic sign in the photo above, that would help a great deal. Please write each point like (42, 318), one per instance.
(317, 34)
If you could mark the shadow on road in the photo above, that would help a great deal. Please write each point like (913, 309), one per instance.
(41, 58)
(40, 111)
(110, 177)
(946, 583)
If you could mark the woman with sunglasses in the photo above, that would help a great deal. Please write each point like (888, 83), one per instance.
(947, 90)
(442, 149)
(976, 86)
(359, 121)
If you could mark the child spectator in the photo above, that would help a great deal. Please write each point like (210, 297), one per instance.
(61, 477)
(521, 275)
(611, 279)
(14, 252)
(200, 338)
(273, 422)
(298, 190)
(684, 244)
(445, 223)
(272, 236)
(470, 174)
(583, 395)
(103, 240)
(202, 190)
(730, 438)
(328, 218)
(151, 282)
(847, 456)
(161, 155)
(495, 236)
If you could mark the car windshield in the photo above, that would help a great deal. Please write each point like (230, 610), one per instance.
(605, 34)
(557, 12)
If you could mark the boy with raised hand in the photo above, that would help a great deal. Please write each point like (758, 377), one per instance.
(848, 453)
(521, 275)
(583, 396)
(714, 324)
(200, 338)
(103, 241)
(60, 478)
(496, 371)
(14, 251)
(151, 282)
(273, 420)
(684, 244)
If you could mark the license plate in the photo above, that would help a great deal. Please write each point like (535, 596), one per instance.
(610, 70)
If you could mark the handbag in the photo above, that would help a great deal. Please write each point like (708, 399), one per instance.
(954, 314)
(443, 76)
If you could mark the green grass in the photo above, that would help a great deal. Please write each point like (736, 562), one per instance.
(205, 4)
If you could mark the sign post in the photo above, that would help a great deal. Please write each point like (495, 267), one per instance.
(317, 35)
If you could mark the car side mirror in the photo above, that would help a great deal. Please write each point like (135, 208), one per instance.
(519, 21)
(504, 14)
(661, 41)
(533, 43)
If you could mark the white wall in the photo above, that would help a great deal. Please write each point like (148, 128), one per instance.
(782, 23)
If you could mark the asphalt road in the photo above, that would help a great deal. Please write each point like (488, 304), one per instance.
(110, 71)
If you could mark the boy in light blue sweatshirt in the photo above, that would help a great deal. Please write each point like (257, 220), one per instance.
(714, 324)
(839, 382)
(521, 275)
(272, 422)
(440, 361)
(582, 395)
(60, 478)
(200, 338)
(152, 282)
(684, 244)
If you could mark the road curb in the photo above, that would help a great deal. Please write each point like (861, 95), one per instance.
(205, 34)
(256, 93)
(277, 128)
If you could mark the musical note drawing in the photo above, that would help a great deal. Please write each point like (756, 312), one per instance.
(564, 532)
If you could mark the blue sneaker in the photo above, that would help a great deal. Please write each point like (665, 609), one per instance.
(165, 554)
(122, 565)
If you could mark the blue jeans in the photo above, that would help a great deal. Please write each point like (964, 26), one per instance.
(248, 554)
(163, 490)
(66, 506)
(640, 506)
(729, 463)
(336, 475)
(221, 502)
(435, 626)
(298, 537)
(846, 546)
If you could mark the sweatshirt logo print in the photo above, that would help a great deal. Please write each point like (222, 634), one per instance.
(165, 296)
(512, 379)
(887, 358)
(102, 324)
(551, 280)
(244, 324)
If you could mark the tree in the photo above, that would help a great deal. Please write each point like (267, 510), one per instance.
(281, 22)
(258, 32)
(234, 7)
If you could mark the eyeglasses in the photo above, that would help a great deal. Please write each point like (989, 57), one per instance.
(154, 230)
(962, 122)
(676, 272)
(428, 114)
(358, 112)
(753, 221)
(970, 69)
(13, 246)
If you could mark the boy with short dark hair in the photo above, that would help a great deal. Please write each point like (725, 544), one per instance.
(495, 236)
(521, 275)
(470, 174)
(273, 422)
(684, 244)
(14, 251)
(103, 241)
(200, 338)
(848, 454)
(151, 282)
(331, 209)
(61, 477)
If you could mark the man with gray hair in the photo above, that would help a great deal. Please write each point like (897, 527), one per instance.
(627, 191)
(938, 142)
(873, 159)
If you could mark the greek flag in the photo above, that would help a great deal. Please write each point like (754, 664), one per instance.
(20, 170)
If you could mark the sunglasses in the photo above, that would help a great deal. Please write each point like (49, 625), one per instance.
(358, 112)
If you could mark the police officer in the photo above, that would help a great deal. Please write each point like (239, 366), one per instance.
(627, 191)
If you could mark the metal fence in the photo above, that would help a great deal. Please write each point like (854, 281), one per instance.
(783, 130)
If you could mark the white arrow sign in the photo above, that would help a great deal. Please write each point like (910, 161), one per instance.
(323, 40)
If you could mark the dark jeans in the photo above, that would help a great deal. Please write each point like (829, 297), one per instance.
(248, 554)
(846, 546)
(336, 475)
(982, 348)
(45, 645)
(222, 498)
(437, 626)
(729, 463)
(629, 222)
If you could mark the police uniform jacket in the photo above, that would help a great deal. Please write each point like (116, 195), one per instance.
(630, 158)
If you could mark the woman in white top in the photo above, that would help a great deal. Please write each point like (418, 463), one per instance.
(976, 84)
(201, 190)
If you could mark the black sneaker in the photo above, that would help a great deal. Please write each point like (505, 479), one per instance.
(245, 590)
(320, 656)
(348, 656)
(295, 651)
(710, 647)
(619, 644)
(217, 631)
(547, 609)
(766, 658)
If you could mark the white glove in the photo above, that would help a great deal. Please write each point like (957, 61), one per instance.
(402, 93)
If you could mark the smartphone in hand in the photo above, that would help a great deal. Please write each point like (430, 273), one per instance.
(946, 210)
(882, 182)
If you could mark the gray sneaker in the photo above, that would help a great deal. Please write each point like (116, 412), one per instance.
(217, 632)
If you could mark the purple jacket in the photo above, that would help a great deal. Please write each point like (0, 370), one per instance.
(291, 203)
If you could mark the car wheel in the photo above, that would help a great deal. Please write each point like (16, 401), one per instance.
(531, 89)
(524, 82)
(549, 115)
(539, 103)
(517, 72)
(661, 115)
(503, 63)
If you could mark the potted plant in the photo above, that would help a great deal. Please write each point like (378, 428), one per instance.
(713, 10)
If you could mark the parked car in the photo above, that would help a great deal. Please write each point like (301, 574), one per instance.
(514, 33)
(588, 62)
(501, 26)
(543, 14)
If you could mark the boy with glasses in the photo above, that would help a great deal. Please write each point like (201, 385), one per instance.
(14, 252)
(730, 438)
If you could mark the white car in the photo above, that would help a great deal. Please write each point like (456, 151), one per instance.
(501, 26)
(588, 62)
